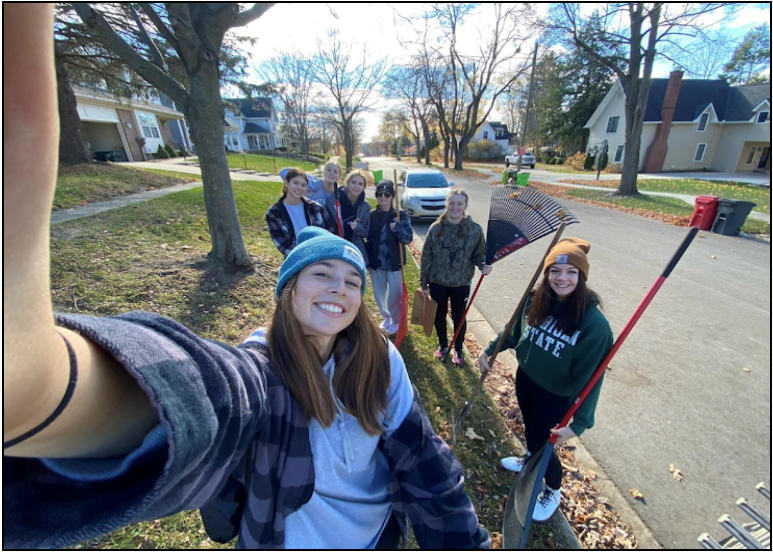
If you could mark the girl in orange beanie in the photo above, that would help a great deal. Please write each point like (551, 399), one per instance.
(559, 340)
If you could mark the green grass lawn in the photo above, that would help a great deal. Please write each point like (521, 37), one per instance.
(564, 169)
(696, 187)
(98, 182)
(662, 205)
(265, 164)
(152, 256)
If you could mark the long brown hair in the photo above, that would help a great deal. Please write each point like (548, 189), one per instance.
(574, 307)
(459, 231)
(361, 379)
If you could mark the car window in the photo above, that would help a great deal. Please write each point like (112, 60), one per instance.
(427, 181)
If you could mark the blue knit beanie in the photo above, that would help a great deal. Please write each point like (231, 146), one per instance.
(316, 244)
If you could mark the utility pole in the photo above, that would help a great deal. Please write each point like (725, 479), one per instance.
(526, 117)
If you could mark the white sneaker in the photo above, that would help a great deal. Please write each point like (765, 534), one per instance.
(548, 501)
(515, 464)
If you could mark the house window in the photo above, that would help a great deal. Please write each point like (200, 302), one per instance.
(700, 152)
(703, 122)
(619, 153)
(485, 135)
(751, 155)
(148, 125)
(612, 123)
(763, 117)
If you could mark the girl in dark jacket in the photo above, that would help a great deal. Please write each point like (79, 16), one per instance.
(354, 210)
(385, 238)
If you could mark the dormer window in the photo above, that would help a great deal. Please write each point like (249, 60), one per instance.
(763, 117)
(703, 122)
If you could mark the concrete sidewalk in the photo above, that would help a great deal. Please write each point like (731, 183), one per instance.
(182, 166)
(177, 165)
(549, 177)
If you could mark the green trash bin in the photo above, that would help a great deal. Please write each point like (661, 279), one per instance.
(731, 215)
(522, 179)
(378, 175)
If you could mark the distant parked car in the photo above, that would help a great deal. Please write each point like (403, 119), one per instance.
(423, 193)
(528, 160)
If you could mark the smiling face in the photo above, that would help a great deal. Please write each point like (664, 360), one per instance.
(332, 173)
(456, 205)
(326, 300)
(563, 279)
(355, 186)
(296, 188)
(384, 199)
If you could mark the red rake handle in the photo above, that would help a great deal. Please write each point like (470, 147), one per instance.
(627, 330)
(338, 210)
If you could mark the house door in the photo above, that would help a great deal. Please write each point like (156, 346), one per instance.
(764, 158)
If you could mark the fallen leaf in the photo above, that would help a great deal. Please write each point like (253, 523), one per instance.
(637, 494)
(471, 434)
(713, 257)
(676, 472)
(437, 409)
(747, 370)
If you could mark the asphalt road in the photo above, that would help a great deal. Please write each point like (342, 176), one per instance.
(677, 392)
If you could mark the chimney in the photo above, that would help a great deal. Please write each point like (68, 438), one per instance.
(656, 153)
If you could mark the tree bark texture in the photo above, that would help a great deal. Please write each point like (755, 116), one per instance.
(73, 147)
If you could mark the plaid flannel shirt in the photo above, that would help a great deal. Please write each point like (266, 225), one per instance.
(281, 229)
(214, 401)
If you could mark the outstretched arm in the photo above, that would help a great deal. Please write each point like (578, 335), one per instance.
(108, 414)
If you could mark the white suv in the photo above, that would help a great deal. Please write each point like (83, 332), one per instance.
(423, 193)
(528, 160)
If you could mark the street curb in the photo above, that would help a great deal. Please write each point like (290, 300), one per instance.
(483, 333)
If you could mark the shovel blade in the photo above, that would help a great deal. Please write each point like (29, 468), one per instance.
(523, 497)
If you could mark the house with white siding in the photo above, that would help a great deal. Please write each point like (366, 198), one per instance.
(251, 125)
(691, 125)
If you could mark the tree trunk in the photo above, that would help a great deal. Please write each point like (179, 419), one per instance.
(463, 143)
(205, 114)
(425, 131)
(633, 128)
(73, 147)
(348, 144)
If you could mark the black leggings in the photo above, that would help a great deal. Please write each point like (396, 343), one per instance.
(458, 296)
(541, 410)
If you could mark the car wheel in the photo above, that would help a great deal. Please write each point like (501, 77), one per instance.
(533, 165)
(507, 164)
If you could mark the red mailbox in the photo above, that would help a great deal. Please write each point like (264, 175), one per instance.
(705, 212)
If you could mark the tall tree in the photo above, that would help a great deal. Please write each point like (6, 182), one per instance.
(647, 27)
(293, 76)
(350, 83)
(463, 85)
(704, 56)
(750, 63)
(73, 149)
(183, 55)
(405, 84)
(574, 86)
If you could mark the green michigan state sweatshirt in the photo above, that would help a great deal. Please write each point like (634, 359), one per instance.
(560, 362)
